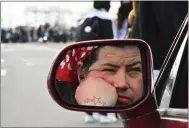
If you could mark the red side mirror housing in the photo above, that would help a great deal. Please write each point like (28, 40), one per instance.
(143, 107)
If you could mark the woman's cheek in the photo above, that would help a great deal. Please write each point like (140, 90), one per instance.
(137, 82)
(141, 84)
(101, 75)
(94, 74)
(137, 87)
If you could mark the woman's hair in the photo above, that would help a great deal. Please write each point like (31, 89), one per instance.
(88, 62)
(102, 4)
(123, 13)
(93, 57)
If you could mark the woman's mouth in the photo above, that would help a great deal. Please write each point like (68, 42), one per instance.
(123, 99)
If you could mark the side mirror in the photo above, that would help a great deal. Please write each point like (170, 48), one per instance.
(102, 76)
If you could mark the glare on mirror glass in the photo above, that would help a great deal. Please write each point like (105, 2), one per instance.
(101, 76)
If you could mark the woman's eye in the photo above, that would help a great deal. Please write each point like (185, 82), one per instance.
(134, 72)
(108, 70)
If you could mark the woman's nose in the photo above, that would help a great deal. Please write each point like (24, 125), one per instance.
(120, 80)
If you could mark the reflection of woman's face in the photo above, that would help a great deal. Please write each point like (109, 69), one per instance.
(122, 68)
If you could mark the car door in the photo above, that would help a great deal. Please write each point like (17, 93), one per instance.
(171, 90)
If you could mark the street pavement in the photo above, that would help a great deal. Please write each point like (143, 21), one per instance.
(25, 100)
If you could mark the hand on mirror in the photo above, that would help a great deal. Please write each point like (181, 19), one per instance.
(96, 92)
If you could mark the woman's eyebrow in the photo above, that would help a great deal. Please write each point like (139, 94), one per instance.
(111, 65)
(133, 64)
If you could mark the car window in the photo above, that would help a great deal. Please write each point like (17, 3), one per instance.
(173, 75)
(165, 83)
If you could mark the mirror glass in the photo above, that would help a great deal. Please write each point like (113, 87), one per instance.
(103, 75)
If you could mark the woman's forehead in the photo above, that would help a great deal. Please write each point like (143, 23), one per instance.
(118, 52)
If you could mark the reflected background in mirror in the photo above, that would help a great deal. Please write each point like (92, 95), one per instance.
(108, 75)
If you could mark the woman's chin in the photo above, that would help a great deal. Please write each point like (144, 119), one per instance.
(123, 102)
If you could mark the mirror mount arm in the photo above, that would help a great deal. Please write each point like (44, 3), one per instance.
(150, 120)
(147, 107)
(146, 115)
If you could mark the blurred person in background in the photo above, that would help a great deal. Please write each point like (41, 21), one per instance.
(96, 25)
(131, 17)
(33, 34)
(40, 32)
(28, 31)
(3, 33)
(122, 19)
(47, 35)
(8, 35)
(157, 23)
(15, 35)
(57, 32)
(24, 34)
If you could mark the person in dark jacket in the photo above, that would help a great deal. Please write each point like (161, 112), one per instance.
(97, 24)
(157, 23)
(3, 34)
